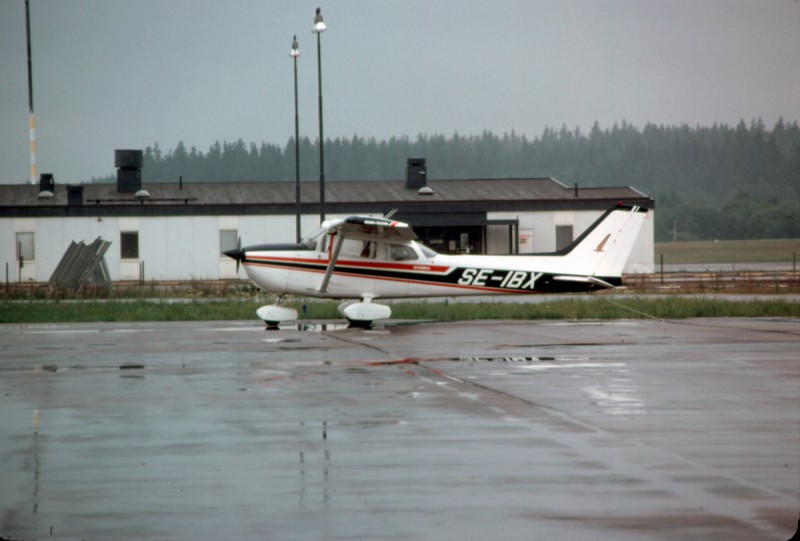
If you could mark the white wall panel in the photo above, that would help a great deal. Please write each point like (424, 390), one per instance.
(187, 247)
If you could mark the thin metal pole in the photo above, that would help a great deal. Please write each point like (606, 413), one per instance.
(296, 156)
(31, 118)
(321, 138)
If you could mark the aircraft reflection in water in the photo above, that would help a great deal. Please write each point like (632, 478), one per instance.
(363, 258)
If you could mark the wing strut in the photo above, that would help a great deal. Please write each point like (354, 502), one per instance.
(323, 287)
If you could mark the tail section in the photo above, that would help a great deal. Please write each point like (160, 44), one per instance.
(603, 249)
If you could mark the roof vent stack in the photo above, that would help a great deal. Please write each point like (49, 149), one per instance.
(129, 170)
(47, 186)
(74, 195)
(416, 175)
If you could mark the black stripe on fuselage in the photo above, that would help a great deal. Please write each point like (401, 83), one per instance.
(472, 278)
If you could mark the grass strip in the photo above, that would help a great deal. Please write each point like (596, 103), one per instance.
(670, 307)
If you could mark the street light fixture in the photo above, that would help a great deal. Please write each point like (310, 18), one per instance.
(319, 28)
(295, 52)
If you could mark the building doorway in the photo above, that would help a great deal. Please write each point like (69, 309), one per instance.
(453, 239)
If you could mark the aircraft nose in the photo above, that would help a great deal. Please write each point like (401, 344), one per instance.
(236, 253)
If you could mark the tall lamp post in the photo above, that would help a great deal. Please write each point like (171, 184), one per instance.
(319, 28)
(295, 52)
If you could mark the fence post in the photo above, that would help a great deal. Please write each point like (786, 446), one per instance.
(21, 262)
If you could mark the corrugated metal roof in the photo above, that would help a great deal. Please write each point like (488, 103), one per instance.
(280, 194)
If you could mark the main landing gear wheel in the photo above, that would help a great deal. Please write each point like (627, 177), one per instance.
(362, 314)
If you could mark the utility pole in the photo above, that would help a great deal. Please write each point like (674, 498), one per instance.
(31, 120)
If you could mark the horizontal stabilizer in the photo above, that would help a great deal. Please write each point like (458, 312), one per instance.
(584, 280)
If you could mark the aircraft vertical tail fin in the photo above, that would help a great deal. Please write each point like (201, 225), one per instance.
(603, 249)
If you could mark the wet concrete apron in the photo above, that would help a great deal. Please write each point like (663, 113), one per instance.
(511, 430)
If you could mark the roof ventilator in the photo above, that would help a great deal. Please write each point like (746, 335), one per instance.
(129, 170)
(416, 175)
(47, 186)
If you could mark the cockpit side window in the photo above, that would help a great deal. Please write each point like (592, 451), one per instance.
(368, 249)
(355, 248)
(401, 252)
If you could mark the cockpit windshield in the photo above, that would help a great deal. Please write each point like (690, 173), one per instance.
(393, 252)
(311, 241)
(427, 252)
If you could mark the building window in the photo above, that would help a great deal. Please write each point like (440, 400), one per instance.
(563, 236)
(228, 240)
(129, 244)
(25, 246)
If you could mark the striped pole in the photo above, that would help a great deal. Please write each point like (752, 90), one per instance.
(33, 149)
(32, 121)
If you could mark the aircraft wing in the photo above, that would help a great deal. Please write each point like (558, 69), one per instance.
(363, 228)
(366, 228)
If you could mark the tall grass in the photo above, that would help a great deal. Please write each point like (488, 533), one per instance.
(601, 308)
(118, 310)
(122, 310)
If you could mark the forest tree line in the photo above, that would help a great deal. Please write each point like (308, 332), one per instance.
(718, 182)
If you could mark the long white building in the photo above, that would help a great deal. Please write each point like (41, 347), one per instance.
(179, 231)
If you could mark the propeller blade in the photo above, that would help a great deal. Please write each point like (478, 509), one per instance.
(236, 254)
(239, 254)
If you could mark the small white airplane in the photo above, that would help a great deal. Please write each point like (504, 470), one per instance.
(363, 258)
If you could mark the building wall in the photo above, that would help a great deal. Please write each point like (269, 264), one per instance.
(171, 248)
(188, 247)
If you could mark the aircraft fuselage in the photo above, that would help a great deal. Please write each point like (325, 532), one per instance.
(368, 258)
(299, 272)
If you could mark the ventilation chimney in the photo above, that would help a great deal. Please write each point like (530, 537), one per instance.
(47, 186)
(74, 195)
(416, 175)
(129, 170)
(47, 182)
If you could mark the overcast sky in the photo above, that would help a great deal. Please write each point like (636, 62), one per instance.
(114, 74)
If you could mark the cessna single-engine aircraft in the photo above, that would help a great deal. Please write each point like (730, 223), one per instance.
(365, 258)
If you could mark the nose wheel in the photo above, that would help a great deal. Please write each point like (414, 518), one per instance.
(273, 314)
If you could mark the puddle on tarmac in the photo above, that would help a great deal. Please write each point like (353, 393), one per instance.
(557, 345)
(280, 340)
(309, 327)
(520, 359)
(507, 359)
(131, 366)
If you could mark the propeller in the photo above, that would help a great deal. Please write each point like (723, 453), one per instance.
(237, 254)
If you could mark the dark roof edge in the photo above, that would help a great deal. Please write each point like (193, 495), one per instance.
(288, 209)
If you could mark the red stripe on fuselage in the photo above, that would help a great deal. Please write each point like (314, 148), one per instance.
(323, 263)
(284, 263)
